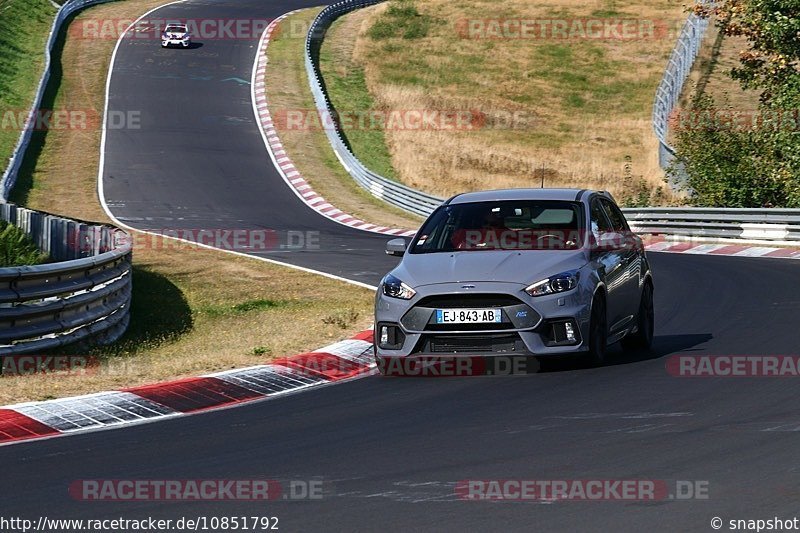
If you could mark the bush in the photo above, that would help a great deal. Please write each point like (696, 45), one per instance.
(727, 166)
(758, 165)
(17, 249)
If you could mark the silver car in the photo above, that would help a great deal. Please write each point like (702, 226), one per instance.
(528, 272)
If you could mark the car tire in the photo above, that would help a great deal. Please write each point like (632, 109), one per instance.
(598, 332)
(643, 338)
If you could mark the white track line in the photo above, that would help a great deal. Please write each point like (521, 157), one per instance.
(101, 171)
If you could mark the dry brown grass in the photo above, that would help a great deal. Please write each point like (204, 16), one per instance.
(239, 311)
(711, 73)
(586, 103)
(287, 89)
(220, 338)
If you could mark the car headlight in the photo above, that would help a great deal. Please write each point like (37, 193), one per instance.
(563, 282)
(395, 288)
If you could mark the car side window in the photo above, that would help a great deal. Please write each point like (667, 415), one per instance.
(600, 222)
(616, 217)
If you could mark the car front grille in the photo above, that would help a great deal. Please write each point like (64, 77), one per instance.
(482, 326)
(471, 344)
(457, 301)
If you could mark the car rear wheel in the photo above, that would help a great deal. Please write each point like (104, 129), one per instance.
(598, 332)
(643, 338)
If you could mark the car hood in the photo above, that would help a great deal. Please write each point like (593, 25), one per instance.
(524, 267)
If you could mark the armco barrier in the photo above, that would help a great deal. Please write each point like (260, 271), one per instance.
(385, 189)
(769, 225)
(10, 174)
(85, 293)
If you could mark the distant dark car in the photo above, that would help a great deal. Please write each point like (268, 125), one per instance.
(542, 272)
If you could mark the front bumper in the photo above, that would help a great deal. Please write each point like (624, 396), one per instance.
(530, 326)
(176, 42)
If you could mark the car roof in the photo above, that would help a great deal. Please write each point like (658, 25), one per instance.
(176, 25)
(569, 195)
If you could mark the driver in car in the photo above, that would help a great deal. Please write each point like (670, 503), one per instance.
(492, 235)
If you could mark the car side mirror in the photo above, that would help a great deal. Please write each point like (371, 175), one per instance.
(609, 241)
(396, 247)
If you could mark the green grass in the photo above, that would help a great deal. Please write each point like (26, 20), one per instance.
(17, 249)
(402, 19)
(24, 28)
(580, 72)
(243, 307)
(347, 89)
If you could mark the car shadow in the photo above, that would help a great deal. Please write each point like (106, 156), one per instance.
(663, 345)
(479, 366)
(194, 46)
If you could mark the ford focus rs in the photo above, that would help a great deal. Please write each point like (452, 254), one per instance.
(529, 272)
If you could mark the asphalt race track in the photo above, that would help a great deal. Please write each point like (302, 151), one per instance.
(390, 451)
(196, 159)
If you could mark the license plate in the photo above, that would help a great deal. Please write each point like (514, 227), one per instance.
(468, 316)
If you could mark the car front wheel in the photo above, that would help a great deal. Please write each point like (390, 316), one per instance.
(598, 332)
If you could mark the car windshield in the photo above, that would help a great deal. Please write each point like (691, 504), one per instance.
(502, 225)
(176, 29)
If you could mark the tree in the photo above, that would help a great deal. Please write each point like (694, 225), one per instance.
(757, 165)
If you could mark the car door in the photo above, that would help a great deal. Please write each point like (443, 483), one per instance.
(630, 271)
(609, 262)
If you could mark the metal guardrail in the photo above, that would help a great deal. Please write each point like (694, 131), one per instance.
(399, 195)
(86, 293)
(769, 225)
(669, 90)
(15, 162)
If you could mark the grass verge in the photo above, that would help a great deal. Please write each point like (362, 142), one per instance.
(288, 92)
(194, 310)
(567, 111)
(347, 89)
(24, 28)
